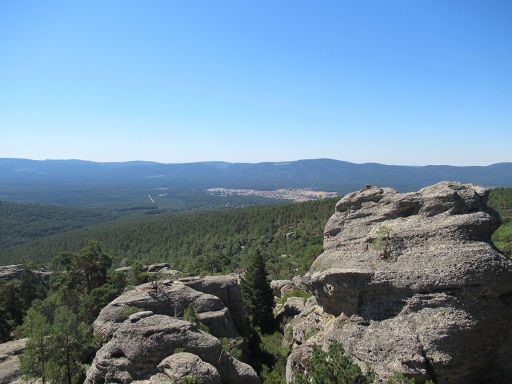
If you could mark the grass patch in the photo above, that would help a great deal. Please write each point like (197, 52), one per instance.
(295, 292)
(129, 310)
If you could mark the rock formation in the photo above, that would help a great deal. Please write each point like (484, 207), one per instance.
(9, 362)
(11, 272)
(216, 300)
(183, 365)
(280, 287)
(148, 334)
(290, 308)
(411, 283)
(143, 347)
(10, 371)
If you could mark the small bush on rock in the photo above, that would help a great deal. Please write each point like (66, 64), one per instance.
(191, 316)
(332, 367)
(295, 292)
(399, 378)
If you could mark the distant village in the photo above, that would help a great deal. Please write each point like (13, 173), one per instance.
(296, 195)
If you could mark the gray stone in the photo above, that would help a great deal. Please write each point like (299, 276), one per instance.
(227, 289)
(137, 349)
(9, 360)
(168, 272)
(292, 307)
(169, 298)
(411, 283)
(280, 287)
(157, 267)
(139, 315)
(182, 365)
(10, 371)
(11, 272)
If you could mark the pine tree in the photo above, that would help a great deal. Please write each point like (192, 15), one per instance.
(69, 341)
(257, 294)
(54, 351)
(36, 356)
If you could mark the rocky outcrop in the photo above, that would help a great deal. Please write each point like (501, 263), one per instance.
(290, 308)
(148, 334)
(227, 289)
(154, 269)
(9, 360)
(15, 271)
(280, 287)
(412, 283)
(10, 370)
(172, 298)
(157, 267)
(180, 366)
(142, 350)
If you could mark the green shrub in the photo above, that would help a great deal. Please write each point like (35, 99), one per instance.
(190, 380)
(382, 242)
(190, 315)
(295, 292)
(332, 367)
(129, 310)
(502, 238)
(399, 378)
(233, 346)
(273, 358)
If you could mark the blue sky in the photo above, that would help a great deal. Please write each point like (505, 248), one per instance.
(397, 82)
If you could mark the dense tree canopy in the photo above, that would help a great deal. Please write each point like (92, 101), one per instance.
(202, 242)
(257, 294)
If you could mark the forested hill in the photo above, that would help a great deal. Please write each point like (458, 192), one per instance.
(21, 223)
(73, 182)
(201, 242)
(215, 241)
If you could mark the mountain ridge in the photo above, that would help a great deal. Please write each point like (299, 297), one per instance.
(26, 180)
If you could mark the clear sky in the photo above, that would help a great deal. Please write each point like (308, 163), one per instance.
(397, 82)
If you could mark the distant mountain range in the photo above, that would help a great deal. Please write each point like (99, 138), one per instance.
(22, 177)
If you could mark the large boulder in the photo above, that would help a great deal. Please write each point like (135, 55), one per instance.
(227, 289)
(280, 287)
(183, 365)
(143, 349)
(168, 298)
(413, 284)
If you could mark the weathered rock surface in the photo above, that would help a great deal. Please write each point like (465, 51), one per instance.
(305, 325)
(169, 272)
(290, 308)
(10, 371)
(280, 287)
(142, 351)
(172, 298)
(9, 360)
(157, 267)
(411, 283)
(182, 365)
(10, 272)
(227, 289)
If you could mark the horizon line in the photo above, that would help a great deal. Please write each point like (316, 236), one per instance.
(255, 162)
